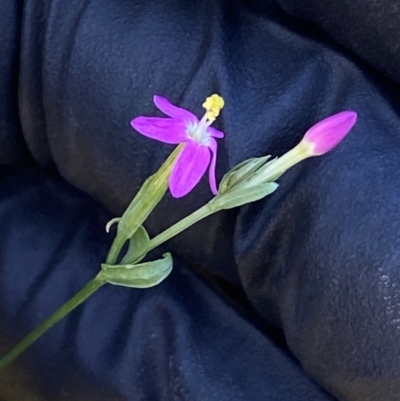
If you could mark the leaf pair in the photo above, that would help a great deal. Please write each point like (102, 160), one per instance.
(131, 274)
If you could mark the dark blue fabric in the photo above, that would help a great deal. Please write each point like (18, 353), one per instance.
(177, 341)
(369, 28)
(318, 259)
(12, 147)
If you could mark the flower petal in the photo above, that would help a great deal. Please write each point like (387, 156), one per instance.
(173, 111)
(215, 133)
(190, 166)
(165, 130)
(328, 133)
(211, 171)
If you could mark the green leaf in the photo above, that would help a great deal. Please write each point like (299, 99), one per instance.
(244, 194)
(242, 172)
(143, 275)
(137, 246)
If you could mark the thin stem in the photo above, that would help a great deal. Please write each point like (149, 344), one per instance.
(180, 226)
(91, 287)
(115, 249)
(272, 171)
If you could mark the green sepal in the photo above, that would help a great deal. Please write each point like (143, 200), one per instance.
(143, 275)
(243, 194)
(264, 172)
(241, 172)
(137, 246)
(149, 195)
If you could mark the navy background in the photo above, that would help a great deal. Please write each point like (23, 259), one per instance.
(295, 297)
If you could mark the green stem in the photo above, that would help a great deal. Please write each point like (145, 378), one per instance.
(91, 287)
(180, 226)
(115, 249)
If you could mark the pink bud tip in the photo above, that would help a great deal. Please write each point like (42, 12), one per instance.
(326, 134)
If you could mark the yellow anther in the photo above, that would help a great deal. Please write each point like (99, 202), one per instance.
(213, 106)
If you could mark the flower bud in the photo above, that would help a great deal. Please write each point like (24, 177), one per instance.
(325, 135)
(318, 140)
(254, 179)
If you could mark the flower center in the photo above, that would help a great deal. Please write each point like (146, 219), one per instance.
(213, 106)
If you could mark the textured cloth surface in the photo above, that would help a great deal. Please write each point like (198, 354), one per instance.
(318, 260)
(177, 341)
(369, 28)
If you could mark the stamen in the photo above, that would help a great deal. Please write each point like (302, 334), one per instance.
(213, 106)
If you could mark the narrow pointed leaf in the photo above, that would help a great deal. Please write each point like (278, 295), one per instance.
(137, 246)
(244, 194)
(143, 275)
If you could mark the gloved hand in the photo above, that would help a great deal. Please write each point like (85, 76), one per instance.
(317, 259)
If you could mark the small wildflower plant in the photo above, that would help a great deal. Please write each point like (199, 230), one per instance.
(196, 151)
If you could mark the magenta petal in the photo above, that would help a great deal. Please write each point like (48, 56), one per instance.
(328, 133)
(166, 130)
(173, 111)
(211, 171)
(215, 133)
(190, 166)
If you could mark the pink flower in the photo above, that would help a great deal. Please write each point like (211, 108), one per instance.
(325, 135)
(200, 150)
